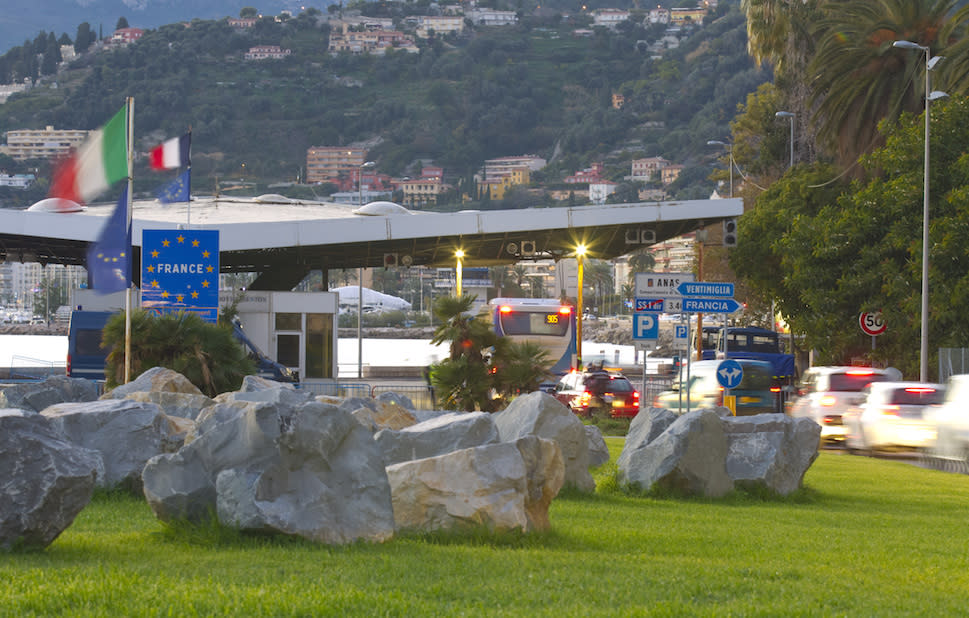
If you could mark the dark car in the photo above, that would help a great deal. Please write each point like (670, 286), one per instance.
(599, 392)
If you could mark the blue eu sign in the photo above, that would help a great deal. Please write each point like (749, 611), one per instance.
(180, 272)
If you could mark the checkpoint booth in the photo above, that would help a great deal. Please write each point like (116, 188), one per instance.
(296, 329)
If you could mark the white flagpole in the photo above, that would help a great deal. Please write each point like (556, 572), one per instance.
(129, 145)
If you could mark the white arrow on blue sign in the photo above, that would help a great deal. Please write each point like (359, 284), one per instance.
(710, 305)
(705, 288)
(645, 326)
(650, 304)
(730, 373)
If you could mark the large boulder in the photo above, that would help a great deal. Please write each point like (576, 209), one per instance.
(125, 433)
(36, 396)
(500, 487)
(689, 457)
(155, 379)
(46, 480)
(377, 414)
(308, 470)
(182, 405)
(598, 450)
(443, 434)
(771, 450)
(540, 414)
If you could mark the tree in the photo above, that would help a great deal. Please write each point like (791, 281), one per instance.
(208, 355)
(85, 36)
(248, 11)
(122, 23)
(858, 78)
(640, 261)
(463, 380)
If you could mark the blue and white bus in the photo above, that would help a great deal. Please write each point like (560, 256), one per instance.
(543, 321)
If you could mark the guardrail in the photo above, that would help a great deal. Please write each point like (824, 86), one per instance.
(27, 368)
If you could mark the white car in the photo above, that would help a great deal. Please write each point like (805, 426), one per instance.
(893, 416)
(826, 392)
(951, 423)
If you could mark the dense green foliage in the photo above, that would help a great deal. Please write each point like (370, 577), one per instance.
(482, 370)
(530, 89)
(208, 355)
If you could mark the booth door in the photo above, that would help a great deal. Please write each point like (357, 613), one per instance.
(289, 340)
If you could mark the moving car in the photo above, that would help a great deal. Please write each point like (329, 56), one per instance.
(826, 392)
(951, 424)
(893, 416)
(753, 394)
(597, 391)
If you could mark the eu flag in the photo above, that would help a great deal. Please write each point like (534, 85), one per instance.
(109, 259)
(177, 190)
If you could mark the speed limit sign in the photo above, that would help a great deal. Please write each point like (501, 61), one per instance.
(872, 323)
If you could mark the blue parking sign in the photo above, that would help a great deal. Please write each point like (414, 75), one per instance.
(645, 326)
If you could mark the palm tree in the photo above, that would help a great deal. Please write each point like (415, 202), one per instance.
(640, 261)
(859, 78)
(499, 278)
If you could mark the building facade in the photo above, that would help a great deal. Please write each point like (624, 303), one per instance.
(327, 163)
(23, 144)
(267, 52)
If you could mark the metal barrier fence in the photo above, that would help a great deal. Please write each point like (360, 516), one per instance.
(953, 361)
(27, 368)
(338, 389)
(420, 394)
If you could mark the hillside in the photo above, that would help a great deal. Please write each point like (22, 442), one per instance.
(534, 88)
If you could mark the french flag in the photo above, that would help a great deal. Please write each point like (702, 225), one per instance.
(172, 154)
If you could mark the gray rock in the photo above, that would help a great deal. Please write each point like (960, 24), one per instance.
(46, 481)
(771, 450)
(183, 405)
(258, 383)
(56, 389)
(286, 397)
(401, 400)
(689, 457)
(499, 487)
(155, 379)
(125, 433)
(311, 471)
(443, 434)
(540, 414)
(598, 451)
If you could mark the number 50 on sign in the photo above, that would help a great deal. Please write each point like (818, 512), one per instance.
(872, 323)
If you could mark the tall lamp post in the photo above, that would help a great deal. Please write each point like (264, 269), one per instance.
(363, 166)
(458, 271)
(791, 116)
(714, 142)
(580, 252)
(930, 96)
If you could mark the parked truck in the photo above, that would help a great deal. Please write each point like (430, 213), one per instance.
(86, 358)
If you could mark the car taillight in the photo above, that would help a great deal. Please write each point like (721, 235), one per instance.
(68, 364)
(775, 389)
(585, 398)
(920, 390)
(636, 396)
(860, 372)
(827, 401)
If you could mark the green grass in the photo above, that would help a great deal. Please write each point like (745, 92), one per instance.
(864, 538)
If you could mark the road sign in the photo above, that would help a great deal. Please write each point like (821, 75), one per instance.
(649, 304)
(660, 284)
(705, 288)
(680, 337)
(729, 373)
(180, 272)
(645, 326)
(872, 323)
(710, 305)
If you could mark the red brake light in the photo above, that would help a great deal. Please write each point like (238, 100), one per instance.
(565, 310)
(860, 372)
(635, 395)
(828, 401)
(505, 309)
(920, 390)
(775, 389)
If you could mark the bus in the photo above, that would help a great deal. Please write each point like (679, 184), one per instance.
(543, 321)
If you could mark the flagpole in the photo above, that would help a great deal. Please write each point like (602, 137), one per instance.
(188, 207)
(129, 139)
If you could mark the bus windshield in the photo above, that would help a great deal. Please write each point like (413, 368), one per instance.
(531, 323)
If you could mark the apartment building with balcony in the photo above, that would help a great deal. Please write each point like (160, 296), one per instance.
(267, 52)
(328, 163)
(356, 39)
(440, 24)
(609, 18)
(47, 143)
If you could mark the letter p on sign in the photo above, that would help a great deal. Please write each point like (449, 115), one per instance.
(645, 326)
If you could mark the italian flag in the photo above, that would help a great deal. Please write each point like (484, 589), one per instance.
(101, 161)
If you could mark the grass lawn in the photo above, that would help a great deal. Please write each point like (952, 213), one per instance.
(865, 537)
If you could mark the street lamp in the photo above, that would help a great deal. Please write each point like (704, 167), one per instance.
(363, 166)
(459, 256)
(729, 146)
(580, 252)
(930, 96)
(791, 116)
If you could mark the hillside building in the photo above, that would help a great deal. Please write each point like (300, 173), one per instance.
(685, 17)
(267, 52)
(609, 18)
(587, 176)
(328, 163)
(47, 143)
(346, 37)
(647, 168)
(125, 36)
(440, 24)
(490, 17)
